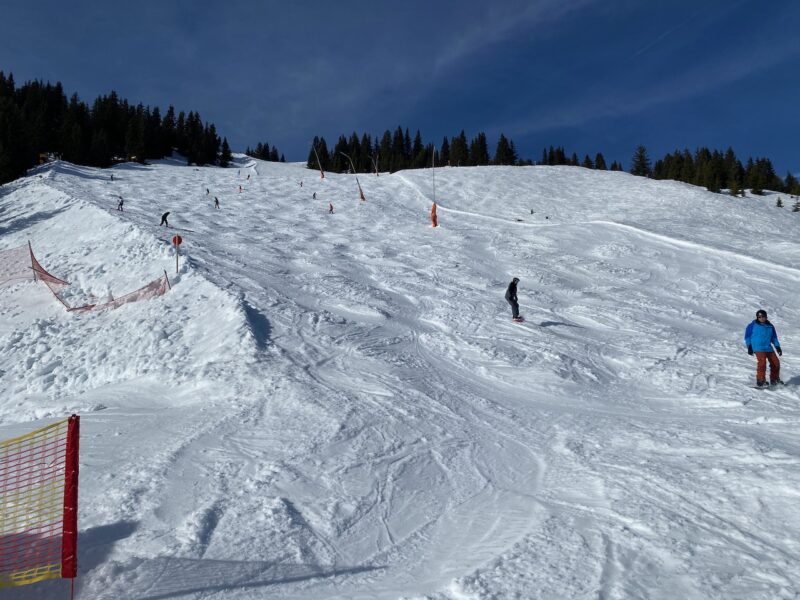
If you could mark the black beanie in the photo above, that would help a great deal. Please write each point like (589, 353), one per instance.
(760, 312)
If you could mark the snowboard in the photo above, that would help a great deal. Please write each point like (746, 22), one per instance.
(771, 386)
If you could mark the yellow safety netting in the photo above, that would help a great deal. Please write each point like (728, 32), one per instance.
(32, 470)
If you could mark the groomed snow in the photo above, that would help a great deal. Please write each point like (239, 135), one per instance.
(339, 406)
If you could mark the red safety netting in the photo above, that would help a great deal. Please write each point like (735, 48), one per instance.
(15, 264)
(39, 504)
(53, 283)
(21, 263)
(157, 287)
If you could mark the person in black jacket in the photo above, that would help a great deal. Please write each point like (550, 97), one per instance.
(164, 219)
(511, 297)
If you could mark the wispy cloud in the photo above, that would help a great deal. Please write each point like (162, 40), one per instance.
(501, 25)
(702, 78)
(352, 81)
(662, 37)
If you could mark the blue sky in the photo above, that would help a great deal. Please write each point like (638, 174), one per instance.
(589, 75)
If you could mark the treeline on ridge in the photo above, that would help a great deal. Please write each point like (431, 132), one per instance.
(716, 171)
(37, 118)
(395, 151)
(262, 151)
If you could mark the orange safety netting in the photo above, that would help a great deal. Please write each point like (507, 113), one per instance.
(39, 504)
(157, 287)
(20, 263)
(15, 264)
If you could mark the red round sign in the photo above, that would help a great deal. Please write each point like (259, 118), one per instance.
(176, 240)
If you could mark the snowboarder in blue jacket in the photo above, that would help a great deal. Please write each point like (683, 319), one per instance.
(760, 337)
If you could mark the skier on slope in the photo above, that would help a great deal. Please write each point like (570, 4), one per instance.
(164, 219)
(759, 337)
(511, 298)
(216, 202)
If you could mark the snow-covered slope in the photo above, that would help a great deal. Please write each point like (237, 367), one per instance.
(339, 406)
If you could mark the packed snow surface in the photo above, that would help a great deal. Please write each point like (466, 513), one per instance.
(339, 405)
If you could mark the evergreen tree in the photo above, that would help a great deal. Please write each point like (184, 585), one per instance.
(15, 151)
(168, 131)
(365, 152)
(339, 162)
(444, 152)
(459, 152)
(687, 167)
(640, 163)
(600, 162)
(354, 151)
(479, 151)
(385, 152)
(99, 149)
(324, 155)
(505, 154)
(733, 187)
(397, 152)
(419, 157)
(587, 162)
(779, 203)
(791, 185)
(181, 142)
(225, 157)
(76, 132)
(134, 139)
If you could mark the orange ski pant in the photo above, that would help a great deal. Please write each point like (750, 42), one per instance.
(761, 366)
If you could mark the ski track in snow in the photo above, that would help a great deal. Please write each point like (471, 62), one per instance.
(338, 406)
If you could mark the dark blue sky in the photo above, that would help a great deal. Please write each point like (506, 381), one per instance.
(589, 75)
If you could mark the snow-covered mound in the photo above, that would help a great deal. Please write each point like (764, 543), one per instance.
(339, 405)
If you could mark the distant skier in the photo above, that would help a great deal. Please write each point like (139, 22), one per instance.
(120, 203)
(164, 219)
(314, 195)
(511, 297)
(759, 337)
(301, 184)
(240, 189)
(330, 208)
(216, 202)
(112, 177)
(207, 192)
(248, 177)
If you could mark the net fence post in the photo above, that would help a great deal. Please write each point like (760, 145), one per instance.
(33, 266)
(69, 539)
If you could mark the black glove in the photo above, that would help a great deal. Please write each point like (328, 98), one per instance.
(779, 351)
(750, 350)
